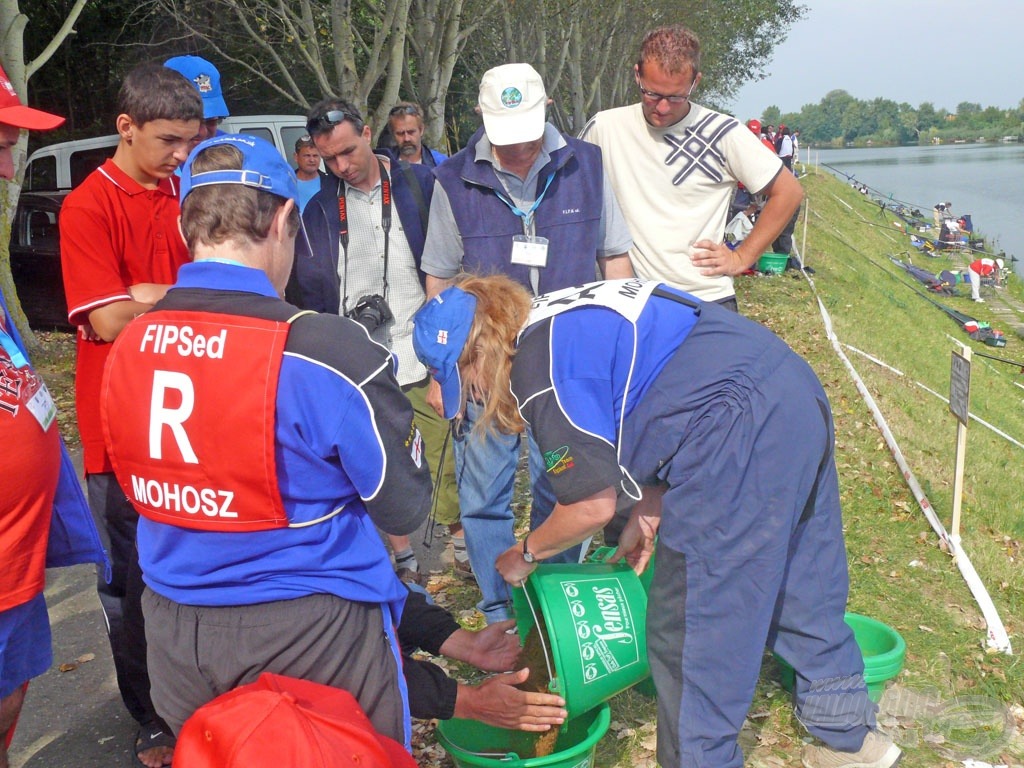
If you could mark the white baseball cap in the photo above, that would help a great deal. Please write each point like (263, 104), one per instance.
(512, 102)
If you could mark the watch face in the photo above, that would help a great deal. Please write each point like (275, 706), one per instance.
(527, 554)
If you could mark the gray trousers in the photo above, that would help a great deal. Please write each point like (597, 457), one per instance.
(196, 653)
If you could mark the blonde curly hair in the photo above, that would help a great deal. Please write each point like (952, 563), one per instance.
(502, 307)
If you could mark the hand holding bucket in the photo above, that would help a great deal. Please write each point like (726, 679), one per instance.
(636, 542)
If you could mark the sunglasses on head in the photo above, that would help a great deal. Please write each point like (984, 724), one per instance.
(405, 109)
(330, 119)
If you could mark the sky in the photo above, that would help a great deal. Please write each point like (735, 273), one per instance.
(942, 51)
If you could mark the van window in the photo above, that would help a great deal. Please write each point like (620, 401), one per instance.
(41, 229)
(259, 133)
(41, 173)
(289, 135)
(86, 161)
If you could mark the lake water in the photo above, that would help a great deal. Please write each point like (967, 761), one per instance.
(984, 180)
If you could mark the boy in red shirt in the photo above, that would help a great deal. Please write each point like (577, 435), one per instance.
(120, 250)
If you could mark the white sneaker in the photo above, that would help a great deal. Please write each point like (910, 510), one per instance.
(877, 751)
(980, 301)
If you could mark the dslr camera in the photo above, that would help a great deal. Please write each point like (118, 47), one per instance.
(371, 312)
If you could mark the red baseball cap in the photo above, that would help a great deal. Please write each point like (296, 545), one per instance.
(282, 722)
(13, 112)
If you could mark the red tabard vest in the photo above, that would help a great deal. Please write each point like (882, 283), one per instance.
(187, 404)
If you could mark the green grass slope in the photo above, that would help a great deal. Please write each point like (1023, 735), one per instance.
(898, 572)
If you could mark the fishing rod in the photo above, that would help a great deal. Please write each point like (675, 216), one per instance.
(969, 248)
(1001, 360)
(873, 189)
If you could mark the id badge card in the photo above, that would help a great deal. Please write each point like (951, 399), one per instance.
(41, 405)
(530, 251)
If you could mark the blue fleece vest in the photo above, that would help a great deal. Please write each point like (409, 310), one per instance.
(569, 215)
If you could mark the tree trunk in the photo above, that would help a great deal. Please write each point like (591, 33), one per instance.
(12, 52)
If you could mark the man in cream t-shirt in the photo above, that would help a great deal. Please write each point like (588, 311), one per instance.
(674, 166)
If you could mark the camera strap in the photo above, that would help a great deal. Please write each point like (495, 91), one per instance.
(385, 224)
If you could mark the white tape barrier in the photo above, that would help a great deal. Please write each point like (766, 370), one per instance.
(997, 637)
(929, 390)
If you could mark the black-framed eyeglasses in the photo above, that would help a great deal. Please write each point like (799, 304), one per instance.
(405, 109)
(654, 97)
(328, 120)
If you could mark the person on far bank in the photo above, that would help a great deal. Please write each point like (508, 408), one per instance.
(405, 122)
(980, 268)
(522, 200)
(723, 437)
(674, 165)
(307, 170)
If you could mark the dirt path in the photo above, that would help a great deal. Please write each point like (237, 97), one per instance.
(1008, 312)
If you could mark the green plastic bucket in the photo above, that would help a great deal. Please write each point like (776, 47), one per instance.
(882, 647)
(595, 615)
(473, 744)
(601, 555)
(773, 263)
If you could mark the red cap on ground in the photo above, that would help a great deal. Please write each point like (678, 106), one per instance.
(282, 722)
(13, 112)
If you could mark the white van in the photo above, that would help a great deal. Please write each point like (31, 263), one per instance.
(65, 165)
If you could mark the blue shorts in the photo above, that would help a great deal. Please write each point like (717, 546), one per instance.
(25, 649)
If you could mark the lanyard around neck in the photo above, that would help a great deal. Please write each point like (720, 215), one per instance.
(12, 349)
(385, 224)
(526, 216)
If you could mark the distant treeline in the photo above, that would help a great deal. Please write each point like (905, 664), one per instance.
(841, 119)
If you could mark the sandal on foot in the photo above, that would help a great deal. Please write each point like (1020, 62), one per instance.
(153, 738)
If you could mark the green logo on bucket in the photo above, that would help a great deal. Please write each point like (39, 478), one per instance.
(604, 626)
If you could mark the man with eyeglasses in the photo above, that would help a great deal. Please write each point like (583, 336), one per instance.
(366, 227)
(405, 121)
(675, 165)
(523, 200)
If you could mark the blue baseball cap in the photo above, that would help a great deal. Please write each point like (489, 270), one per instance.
(439, 336)
(206, 79)
(262, 168)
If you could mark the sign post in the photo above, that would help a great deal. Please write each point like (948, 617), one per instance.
(959, 406)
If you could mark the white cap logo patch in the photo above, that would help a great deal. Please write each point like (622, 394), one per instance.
(442, 337)
(511, 97)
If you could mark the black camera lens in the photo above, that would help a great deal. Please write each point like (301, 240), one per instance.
(371, 312)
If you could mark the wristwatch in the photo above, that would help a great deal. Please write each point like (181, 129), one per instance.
(527, 554)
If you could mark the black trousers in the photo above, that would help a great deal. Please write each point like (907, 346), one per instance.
(121, 599)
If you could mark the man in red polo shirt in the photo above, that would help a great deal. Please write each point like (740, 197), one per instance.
(120, 250)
